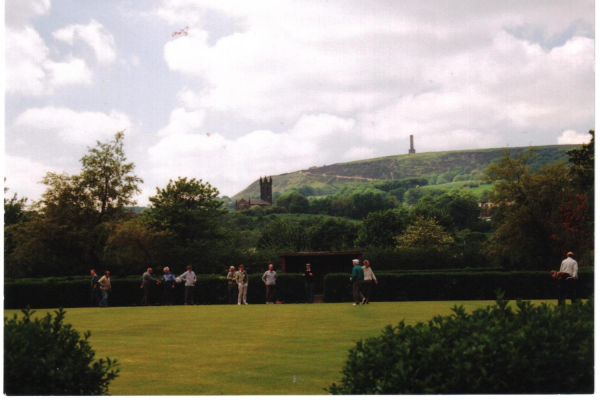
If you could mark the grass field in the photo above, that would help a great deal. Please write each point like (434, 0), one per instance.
(254, 349)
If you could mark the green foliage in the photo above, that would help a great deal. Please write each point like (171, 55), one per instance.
(526, 209)
(47, 357)
(66, 231)
(425, 234)
(421, 166)
(188, 213)
(582, 160)
(284, 236)
(494, 350)
(465, 284)
(332, 234)
(209, 289)
(380, 228)
(293, 202)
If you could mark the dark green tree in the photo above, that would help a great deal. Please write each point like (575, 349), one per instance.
(332, 234)
(188, 214)
(380, 228)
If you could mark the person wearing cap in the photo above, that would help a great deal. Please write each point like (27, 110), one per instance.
(189, 277)
(357, 279)
(369, 279)
(169, 280)
(568, 279)
(241, 277)
(269, 278)
(309, 284)
(147, 280)
(231, 285)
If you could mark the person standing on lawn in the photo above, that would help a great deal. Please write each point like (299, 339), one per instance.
(189, 277)
(241, 277)
(95, 289)
(147, 280)
(231, 285)
(269, 278)
(369, 279)
(105, 287)
(309, 284)
(357, 279)
(169, 280)
(568, 279)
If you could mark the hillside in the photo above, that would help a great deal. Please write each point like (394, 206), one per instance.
(331, 178)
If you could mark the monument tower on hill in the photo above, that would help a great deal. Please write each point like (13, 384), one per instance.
(412, 146)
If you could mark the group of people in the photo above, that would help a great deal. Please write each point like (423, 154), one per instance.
(101, 287)
(237, 285)
(362, 281)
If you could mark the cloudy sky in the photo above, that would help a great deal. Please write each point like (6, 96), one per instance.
(227, 91)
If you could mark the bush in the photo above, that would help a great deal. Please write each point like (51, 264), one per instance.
(46, 357)
(442, 285)
(210, 289)
(494, 350)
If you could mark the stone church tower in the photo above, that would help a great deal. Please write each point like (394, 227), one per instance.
(266, 189)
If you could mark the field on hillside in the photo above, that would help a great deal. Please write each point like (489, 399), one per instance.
(328, 179)
(232, 350)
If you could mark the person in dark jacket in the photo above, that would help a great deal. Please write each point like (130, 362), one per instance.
(147, 280)
(358, 277)
(95, 289)
(309, 284)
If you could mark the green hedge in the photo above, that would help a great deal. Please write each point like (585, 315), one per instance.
(455, 286)
(494, 350)
(210, 289)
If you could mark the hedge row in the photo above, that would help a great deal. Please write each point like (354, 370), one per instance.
(456, 286)
(210, 289)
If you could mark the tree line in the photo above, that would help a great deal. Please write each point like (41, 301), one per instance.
(86, 220)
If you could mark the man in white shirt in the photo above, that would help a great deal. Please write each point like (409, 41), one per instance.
(568, 279)
(189, 277)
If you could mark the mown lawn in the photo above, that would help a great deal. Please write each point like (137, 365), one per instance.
(254, 349)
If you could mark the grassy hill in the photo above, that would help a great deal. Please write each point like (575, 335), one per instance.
(331, 178)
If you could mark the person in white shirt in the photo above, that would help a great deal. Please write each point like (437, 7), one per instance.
(568, 279)
(190, 280)
(368, 282)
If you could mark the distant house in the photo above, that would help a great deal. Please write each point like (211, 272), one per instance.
(266, 196)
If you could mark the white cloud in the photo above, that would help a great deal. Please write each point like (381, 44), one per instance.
(23, 176)
(94, 35)
(186, 149)
(73, 127)
(572, 137)
(29, 70)
(18, 12)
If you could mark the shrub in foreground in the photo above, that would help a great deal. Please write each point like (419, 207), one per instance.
(494, 350)
(47, 357)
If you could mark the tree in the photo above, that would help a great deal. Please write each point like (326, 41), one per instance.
(293, 202)
(582, 160)
(425, 234)
(67, 226)
(187, 213)
(331, 234)
(380, 228)
(526, 207)
(132, 243)
(281, 235)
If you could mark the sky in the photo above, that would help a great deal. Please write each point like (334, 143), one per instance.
(228, 91)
